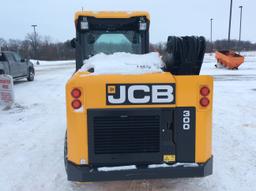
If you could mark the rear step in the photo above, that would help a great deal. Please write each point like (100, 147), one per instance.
(87, 174)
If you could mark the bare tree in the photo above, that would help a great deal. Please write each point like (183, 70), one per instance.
(3, 44)
(35, 41)
(14, 45)
(50, 50)
(26, 49)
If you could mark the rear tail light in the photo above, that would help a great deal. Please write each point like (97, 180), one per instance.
(204, 98)
(76, 104)
(76, 93)
(204, 91)
(204, 102)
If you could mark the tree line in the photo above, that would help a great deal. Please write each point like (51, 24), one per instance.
(43, 48)
(234, 45)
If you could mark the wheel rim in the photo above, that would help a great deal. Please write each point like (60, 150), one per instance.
(31, 74)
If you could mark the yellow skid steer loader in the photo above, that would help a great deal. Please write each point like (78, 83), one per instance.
(143, 126)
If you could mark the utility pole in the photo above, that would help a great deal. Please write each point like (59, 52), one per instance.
(240, 29)
(35, 41)
(211, 34)
(230, 22)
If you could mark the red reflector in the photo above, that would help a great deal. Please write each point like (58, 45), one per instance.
(76, 93)
(204, 91)
(204, 102)
(76, 104)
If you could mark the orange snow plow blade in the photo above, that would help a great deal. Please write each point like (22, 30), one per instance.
(229, 59)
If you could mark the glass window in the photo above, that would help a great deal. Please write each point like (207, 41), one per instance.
(17, 58)
(2, 58)
(111, 42)
(10, 57)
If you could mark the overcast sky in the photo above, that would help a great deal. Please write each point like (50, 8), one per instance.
(168, 17)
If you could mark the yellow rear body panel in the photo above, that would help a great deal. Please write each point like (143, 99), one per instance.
(93, 89)
(187, 94)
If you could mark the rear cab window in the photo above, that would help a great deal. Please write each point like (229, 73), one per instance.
(2, 57)
(10, 57)
(16, 57)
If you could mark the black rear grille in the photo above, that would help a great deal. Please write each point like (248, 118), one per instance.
(126, 134)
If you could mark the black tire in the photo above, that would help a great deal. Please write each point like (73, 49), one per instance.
(185, 55)
(1, 72)
(65, 152)
(31, 74)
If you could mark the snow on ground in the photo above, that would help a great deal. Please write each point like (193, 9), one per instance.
(32, 135)
(46, 66)
(50, 63)
(247, 70)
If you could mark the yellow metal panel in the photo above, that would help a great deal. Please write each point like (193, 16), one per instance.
(95, 87)
(203, 136)
(77, 134)
(94, 97)
(188, 94)
(111, 14)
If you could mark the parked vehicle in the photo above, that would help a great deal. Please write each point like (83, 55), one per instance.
(229, 59)
(143, 126)
(12, 64)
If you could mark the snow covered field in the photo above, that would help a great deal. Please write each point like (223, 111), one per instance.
(32, 135)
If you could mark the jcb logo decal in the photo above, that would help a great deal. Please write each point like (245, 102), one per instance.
(127, 94)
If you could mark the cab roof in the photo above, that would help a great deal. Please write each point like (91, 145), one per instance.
(111, 14)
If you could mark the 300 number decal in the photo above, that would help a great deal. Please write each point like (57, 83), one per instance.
(186, 120)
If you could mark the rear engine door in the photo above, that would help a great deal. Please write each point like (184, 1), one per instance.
(130, 136)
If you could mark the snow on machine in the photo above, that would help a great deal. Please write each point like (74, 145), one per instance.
(130, 114)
